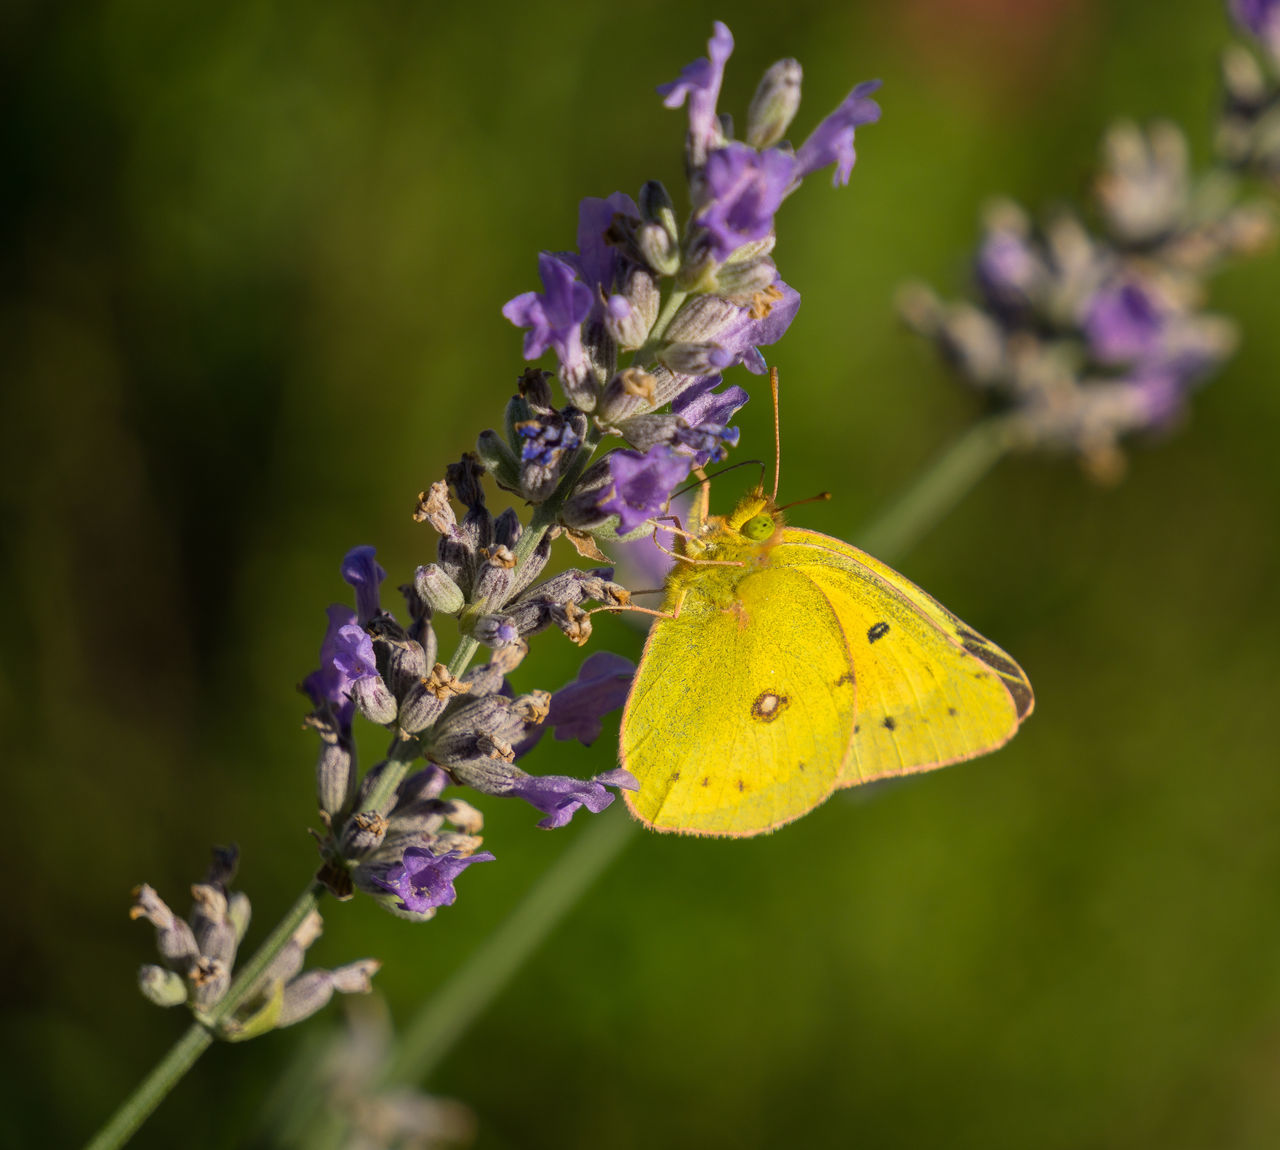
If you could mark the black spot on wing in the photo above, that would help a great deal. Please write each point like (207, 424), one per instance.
(741, 786)
(889, 723)
(847, 677)
(877, 631)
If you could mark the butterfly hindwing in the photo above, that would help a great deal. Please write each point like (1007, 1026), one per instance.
(743, 708)
(930, 691)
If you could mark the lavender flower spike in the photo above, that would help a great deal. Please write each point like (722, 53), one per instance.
(424, 880)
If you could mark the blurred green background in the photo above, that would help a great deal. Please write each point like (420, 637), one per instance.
(255, 261)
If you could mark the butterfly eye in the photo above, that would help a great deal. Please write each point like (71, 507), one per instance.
(758, 528)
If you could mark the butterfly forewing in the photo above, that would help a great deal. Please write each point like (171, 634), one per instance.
(930, 691)
(748, 721)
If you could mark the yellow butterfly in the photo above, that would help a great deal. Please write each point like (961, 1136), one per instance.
(787, 664)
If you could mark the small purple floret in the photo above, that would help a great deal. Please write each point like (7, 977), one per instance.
(743, 191)
(699, 82)
(642, 484)
(1124, 323)
(363, 572)
(424, 880)
(602, 685)
(560, 796)
(831, 142)
(555, 316)
(346, 657)
(598, 261)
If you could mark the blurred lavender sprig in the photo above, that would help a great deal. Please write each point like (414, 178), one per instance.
(1089, 327)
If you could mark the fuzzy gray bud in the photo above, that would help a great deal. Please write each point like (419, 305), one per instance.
(439, 591)
(161, 986)
(774, 105)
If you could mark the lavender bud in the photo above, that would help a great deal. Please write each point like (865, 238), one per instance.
(495, 630)
(490, 678)
(774, 105)
(336, 775)
(239, 912)
(174, 938)
(463, 816)
(499, 460)
(465, 479)
(363, 834)
(657, 207)
(630, 392)
(424, 704)
(436, 589)
(741, 281)
(215, 934)
(288, 961)
(532, 567)
(163, 987)
(374, 701)
(421, 785)
(370, 781)
(415, 820)
(495, 575)
(631, 328)
(701, 320)
(313, 990)
(535, 385)
(208, 980)
(434, 508)
(573, 621)
(582, 510)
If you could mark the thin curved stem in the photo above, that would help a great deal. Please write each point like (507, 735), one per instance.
(135, 1109)
(938, 490)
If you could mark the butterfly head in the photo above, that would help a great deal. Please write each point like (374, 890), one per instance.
(756, 518)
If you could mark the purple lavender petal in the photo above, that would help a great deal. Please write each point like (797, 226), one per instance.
(346, 656)
(742, 192)
(424, 880)
(560, 796)
(555, 317)
(597, 260)
(1260, 18)
(1006, 268)
(642, 484)
(708, 406)
(831, 142)
(1124, 323)
(745, 335)
(700, 82)
(363, 572)
(602, 685)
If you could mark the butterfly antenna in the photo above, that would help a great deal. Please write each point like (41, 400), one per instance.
(723, 471)
(777, 435)
(821, 497)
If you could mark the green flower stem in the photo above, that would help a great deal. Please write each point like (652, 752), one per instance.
(445, 1016)
(939, 489)
(138, 1106)
(199, 1037)
(450, 1011)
